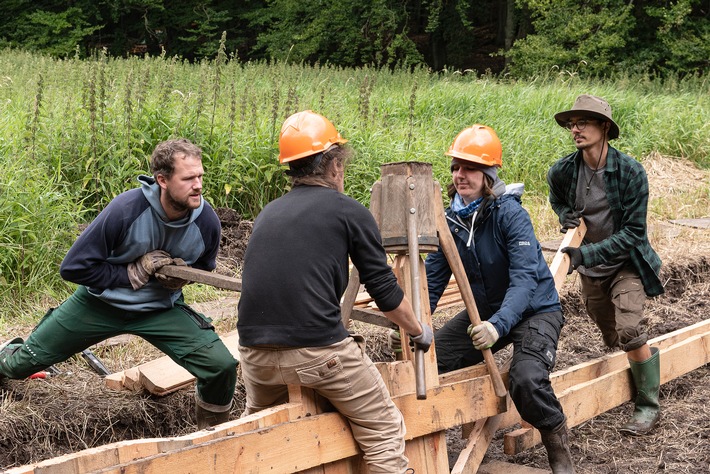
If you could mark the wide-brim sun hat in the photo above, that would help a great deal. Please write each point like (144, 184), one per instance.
(590, 106)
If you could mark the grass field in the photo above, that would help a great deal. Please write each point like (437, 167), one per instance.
(75, 133)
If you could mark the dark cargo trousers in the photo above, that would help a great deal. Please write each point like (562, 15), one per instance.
(534, 351)
(83, 320)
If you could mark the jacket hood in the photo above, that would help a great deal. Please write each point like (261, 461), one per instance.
(151, 191)
(515, 189)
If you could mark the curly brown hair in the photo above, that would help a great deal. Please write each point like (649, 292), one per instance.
(162, 161)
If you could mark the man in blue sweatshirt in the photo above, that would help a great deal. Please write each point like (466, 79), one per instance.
(114, 261)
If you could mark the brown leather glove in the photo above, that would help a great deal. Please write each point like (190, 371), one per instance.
(172, 283)
(139, 272)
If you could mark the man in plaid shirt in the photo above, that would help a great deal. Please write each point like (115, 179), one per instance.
(617, 266)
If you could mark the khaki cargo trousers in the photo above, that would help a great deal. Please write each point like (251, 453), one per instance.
(344, 375)
(615, 303)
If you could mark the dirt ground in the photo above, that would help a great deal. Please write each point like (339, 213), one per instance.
(41, 419)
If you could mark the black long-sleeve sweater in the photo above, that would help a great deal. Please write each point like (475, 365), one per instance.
(296, 268)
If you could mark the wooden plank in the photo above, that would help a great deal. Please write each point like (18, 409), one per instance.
(371, 316)
(701, 223)
(196, 275)
(131, 379)
(162, 376)
(586, 400)
(479, 434)
(285, 448)
(581, 373)
(477, 444)
(501, 467)
(346, 306)
(560, 262)
(446, 406)
(125, 451)
(115, 381)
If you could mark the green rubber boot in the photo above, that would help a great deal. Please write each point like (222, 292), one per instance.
(647, 379)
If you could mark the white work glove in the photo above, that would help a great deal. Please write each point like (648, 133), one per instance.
(139, 272)
(172, 283)
(483, 335)
(424, 340)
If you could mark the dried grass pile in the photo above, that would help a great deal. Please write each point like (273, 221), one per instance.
(74, 410)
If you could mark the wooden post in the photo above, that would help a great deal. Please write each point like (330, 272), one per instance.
(403, 208)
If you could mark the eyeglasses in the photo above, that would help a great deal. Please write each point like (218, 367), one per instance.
(581, 124)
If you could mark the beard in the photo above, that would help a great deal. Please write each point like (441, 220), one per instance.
(180, 205)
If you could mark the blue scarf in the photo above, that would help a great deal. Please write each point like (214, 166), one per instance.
(462, 210)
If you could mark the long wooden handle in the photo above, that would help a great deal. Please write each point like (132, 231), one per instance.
(446, 241)
(414, 260)
(346, 307)
(201, 276)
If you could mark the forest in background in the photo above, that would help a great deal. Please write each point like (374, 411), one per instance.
(522, 38)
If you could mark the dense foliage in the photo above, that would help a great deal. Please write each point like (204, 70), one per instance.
(75, 133)
(523, 38)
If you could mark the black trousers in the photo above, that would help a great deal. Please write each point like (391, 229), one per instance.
(534, 352)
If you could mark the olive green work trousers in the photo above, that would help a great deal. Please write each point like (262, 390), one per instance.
(83, 320)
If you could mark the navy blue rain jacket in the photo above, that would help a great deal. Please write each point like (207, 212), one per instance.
(504, 264)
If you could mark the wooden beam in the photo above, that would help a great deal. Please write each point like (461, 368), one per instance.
(477, 444)
(446, 406)
(196, 275)
(560, 262)
(371, 316)
(591, 397)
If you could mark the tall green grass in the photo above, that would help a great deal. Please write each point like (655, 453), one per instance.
(74, 134)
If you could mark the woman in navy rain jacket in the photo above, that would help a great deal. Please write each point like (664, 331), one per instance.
(514, 290)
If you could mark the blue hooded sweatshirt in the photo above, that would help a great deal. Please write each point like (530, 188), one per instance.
(133, 224)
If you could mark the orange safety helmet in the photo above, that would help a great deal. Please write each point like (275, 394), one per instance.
(478, 144)
(304, 134)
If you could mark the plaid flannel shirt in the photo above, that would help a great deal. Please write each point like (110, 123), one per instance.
(627, 193)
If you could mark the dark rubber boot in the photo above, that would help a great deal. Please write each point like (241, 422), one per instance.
(206, 418)
(556, 443)
(647, 379)
(6, 350)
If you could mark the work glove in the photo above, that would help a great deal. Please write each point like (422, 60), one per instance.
(139, 272)
(172, 283)
(394, 341)
(570, 221)
(424, 340)
(575, 257)
(483, 335)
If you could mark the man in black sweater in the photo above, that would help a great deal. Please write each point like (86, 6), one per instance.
(295, 273)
